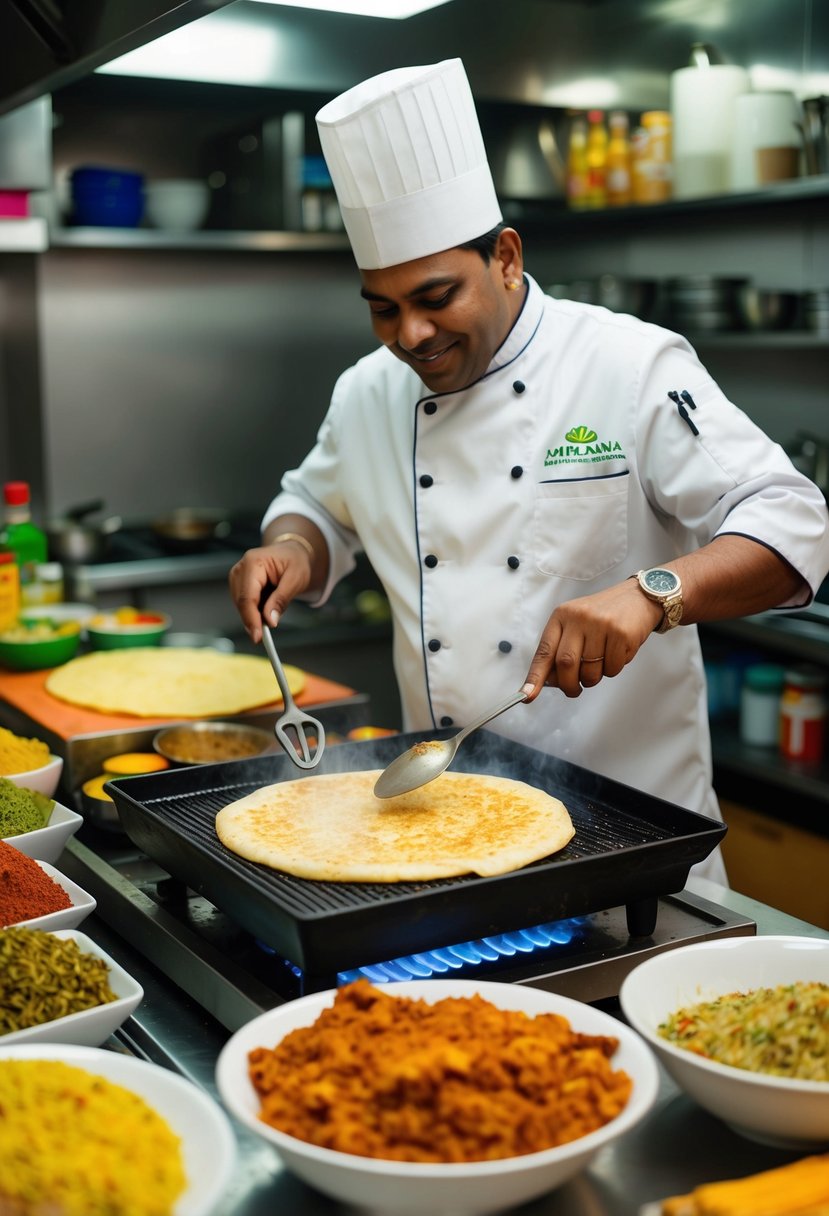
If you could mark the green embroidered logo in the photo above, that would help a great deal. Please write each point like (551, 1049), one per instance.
(583, 446)
(581, 434)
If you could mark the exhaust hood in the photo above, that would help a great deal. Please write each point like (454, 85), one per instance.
(537, 53)
(46, 44)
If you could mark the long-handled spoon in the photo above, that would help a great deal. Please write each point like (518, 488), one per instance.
(428, 759)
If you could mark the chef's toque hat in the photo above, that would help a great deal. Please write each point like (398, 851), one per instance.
(408, 163)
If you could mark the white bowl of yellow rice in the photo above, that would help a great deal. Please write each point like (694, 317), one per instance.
(99, 1133)
(742, 1026)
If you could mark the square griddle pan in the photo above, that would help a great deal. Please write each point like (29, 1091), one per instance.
(629, 849)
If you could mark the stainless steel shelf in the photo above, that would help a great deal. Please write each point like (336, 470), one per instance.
(150, 238)
(555, 218)
(785, 789)
(786, 339)
(28, 235)
(155, 572)
(801, 635)
(765, 764)
(558, 219)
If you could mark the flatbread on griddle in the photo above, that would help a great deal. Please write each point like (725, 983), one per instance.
(332, 827)
(169, 682)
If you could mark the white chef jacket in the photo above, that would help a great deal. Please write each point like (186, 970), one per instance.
(564, 469)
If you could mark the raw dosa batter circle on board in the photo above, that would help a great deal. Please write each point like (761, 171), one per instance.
(168, 681)
(332, 827)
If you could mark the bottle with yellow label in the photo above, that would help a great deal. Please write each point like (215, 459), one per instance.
(652, 166)
(618, 161)
(9, 588)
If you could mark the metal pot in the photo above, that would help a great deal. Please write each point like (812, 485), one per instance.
(73, 540)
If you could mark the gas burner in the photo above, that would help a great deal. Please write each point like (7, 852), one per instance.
(485, 958)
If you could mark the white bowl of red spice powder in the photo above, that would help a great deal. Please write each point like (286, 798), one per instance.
(35, 894)
(436, 1093)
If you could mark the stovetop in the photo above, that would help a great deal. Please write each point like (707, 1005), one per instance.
(234, 976)
(138, 542)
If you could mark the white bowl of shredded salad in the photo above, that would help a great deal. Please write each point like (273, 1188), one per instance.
(742, 1026)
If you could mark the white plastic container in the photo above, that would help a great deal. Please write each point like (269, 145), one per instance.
(767, 140)
(703, 107)
(760, 705)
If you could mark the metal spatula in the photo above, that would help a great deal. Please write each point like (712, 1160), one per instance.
(295, 720)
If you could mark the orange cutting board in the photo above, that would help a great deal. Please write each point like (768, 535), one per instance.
(27, 692)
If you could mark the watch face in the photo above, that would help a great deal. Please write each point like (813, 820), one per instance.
(663, 582)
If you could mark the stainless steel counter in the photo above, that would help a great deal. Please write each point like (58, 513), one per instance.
(678, 1146)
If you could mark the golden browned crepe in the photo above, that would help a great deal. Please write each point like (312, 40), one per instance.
(169, 682)
(333, 828)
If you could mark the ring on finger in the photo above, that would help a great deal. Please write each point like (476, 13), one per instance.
(598, 659)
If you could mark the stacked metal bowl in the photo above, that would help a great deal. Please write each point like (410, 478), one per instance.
(703, 303)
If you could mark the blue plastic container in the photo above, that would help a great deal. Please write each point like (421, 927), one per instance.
(108, 211)
(106, 198)
(98, 178)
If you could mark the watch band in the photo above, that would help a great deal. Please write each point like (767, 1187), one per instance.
(672, 610)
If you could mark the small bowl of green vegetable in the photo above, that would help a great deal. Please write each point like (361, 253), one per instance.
(32, 645)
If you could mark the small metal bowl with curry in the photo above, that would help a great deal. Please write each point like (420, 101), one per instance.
(212, 742)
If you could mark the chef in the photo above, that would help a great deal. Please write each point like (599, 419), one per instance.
(552, 495)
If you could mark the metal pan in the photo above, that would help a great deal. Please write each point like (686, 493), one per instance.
(629, 849)
(190, 529)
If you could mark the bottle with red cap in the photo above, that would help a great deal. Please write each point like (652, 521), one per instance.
(27, 542)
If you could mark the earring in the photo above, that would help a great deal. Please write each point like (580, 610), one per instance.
(513, 286)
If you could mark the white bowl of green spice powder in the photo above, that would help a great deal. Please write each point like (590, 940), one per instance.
(36, 825)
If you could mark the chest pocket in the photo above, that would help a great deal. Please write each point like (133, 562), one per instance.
(580, 528)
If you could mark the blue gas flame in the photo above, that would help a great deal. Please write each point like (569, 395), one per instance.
(464, 958)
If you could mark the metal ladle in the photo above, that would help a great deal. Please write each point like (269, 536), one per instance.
(428, 759)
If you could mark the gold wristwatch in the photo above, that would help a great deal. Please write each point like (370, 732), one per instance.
(665, 588)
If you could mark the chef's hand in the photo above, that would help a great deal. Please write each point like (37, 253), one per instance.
(592, 637)
(263, 582)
